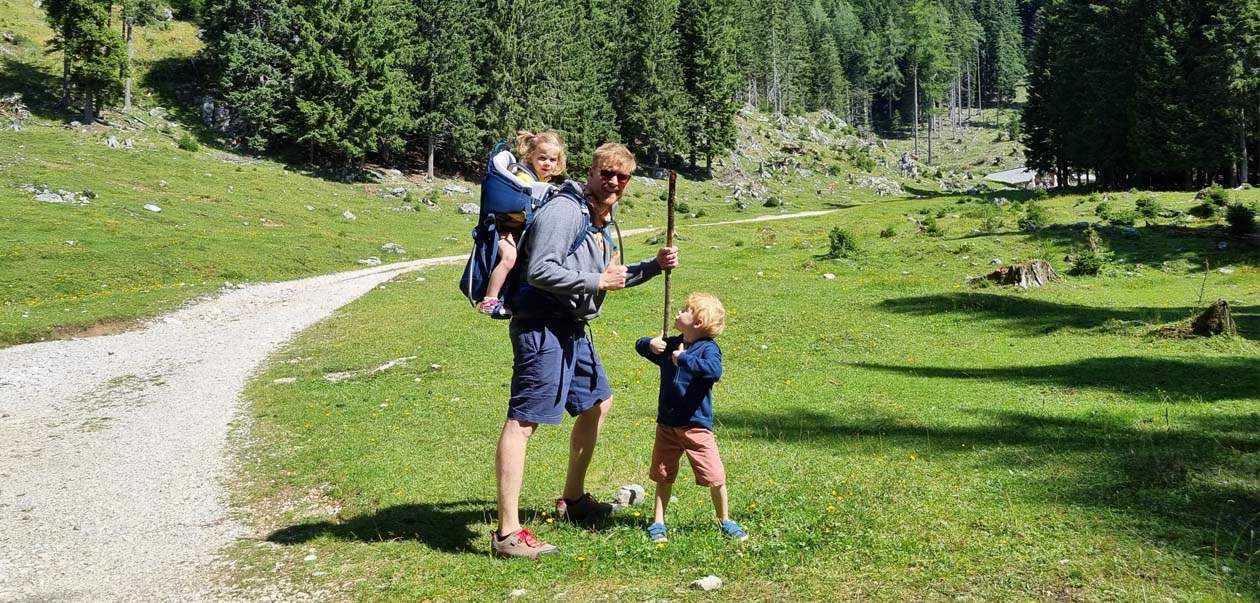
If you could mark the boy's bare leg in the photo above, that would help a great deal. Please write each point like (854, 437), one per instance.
(662, 501)
(719, 502)
(582, 447)
(509, 465)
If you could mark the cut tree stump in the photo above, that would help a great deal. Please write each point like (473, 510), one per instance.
(1033, 273)
(1215, 320)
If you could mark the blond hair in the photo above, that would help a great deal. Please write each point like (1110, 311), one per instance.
(613, 155)
(709, 311)
(529, 145)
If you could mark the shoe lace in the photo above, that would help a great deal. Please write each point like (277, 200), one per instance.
(529, 538)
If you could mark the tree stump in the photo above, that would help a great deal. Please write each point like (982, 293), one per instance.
(1033, 273)
(1216, 320)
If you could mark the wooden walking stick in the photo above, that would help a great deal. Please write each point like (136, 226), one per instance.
(669, 242)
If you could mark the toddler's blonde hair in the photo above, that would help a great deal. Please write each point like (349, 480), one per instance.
(529, 145)
(710, 311)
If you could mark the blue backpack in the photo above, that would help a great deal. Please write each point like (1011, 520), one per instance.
(501, 193)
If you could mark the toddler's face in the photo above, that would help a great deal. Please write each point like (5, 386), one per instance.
(685, 322)
(545, 161)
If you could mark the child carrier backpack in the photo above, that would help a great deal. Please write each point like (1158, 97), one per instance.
(501, 193)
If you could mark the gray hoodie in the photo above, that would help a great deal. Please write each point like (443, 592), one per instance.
(565, 285)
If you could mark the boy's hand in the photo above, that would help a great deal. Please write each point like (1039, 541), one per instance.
(678, 352)
(657, 345)
(614, 276)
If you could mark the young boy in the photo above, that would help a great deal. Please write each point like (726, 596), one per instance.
(690, 364)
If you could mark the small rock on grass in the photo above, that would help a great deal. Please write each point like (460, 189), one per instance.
(153, 208)
(520, 592)
(372, 261)
(349, 215)
(707, 583)
(629, 494)
(285, 380)
(829, 276)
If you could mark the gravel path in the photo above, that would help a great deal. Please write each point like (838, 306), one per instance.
(112, 478)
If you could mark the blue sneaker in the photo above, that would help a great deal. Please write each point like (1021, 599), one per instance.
(733, 531)
(657, 532)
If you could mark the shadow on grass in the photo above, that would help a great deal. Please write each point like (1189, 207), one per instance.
(1150, 244)
(1192, 488)
(442, 527)
(1148, 379)
(1031, 316)
(41, 90)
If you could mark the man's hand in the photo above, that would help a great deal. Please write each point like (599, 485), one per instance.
(667, 257)
(657, 345)
(614, 276)
(678, 352)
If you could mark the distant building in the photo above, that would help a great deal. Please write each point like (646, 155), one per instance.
(1024, 178)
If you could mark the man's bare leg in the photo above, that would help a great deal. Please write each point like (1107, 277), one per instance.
(509, 465)
(719, 502)
(663, 491)
(582, 447)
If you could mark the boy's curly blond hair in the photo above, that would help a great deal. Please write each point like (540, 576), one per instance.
(710, 311)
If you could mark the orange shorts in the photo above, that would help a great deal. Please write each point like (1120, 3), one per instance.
(702, 452)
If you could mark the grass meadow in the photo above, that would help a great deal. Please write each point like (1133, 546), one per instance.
(890, 434)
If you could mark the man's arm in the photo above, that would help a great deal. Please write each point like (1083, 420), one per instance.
(637, 274)
(554, 229)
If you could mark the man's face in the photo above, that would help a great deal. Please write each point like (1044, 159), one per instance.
(607, 182)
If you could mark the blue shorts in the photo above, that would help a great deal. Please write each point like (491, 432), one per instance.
(555, 368)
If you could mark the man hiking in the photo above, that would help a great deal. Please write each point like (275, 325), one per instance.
(555, 365)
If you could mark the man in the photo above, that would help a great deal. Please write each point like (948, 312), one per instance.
(568, 262)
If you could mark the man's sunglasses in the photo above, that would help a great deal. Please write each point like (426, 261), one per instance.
(610, 174)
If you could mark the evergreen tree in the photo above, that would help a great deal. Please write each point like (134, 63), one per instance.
(93, 59)
(250, 45)
(707, 57)
(545, 73)
(649, 97)
(446, 78)
(1003, 45)
(352, 88)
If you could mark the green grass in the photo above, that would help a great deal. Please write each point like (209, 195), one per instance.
(890, 434)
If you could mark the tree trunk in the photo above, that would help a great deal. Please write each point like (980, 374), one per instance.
(979, 83)
(914, 69)
(931, 118)
(89, 111)
(65, 80)
(429, 164)
(1242, 142)
(127, 36)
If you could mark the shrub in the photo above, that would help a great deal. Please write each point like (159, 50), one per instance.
(888, 232)
(188, 143)
(842, 243)
(1215, 195)
(930, 227)
(682, 207)
(993, 223)
(1091, 260)
(772, 202)
(1034, 217)
(1203, 210)
(1148, 207)
(1126, 217)
(1103, 210)
(1041, 194)
(1242, 218)
(1093, 198)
